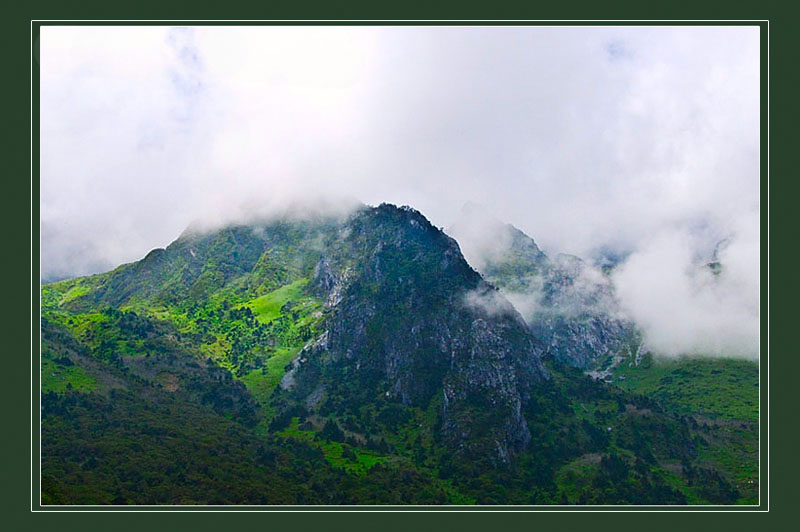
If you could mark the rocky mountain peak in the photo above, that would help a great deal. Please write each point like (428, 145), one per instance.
(411, 321)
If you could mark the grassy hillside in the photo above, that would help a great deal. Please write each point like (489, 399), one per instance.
(715, 387)
(268, 307)
(720, 397)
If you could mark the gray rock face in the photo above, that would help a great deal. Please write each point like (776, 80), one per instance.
(408, 319)
(569, 305)
(579, 318)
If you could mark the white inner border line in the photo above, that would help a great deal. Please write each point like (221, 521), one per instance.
(406, 508)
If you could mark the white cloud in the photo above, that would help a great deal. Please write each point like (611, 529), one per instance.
(683, 307)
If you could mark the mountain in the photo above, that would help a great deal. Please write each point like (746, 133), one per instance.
(567, 303)
(338, 360)
(397, 325)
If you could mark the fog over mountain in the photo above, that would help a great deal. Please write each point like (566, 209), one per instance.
(641, 142)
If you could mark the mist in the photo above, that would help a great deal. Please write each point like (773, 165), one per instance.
(683, 306)
(585, 138)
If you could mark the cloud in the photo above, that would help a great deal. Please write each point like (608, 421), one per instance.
(683, 306)
(583, 137)
(489, 301)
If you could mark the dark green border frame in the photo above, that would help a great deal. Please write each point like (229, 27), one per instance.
(35, 396)
(18, 499)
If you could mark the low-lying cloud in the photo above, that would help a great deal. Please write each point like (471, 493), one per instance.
(683, 304)
(489, 301)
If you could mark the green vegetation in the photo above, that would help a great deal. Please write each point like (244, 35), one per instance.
(60, 375)
(169, 451)
(720, 397)
(714, 387)
(262, 382)
(161, 385)
(268, 307)
(350, 458)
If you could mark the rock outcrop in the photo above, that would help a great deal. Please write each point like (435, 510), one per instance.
(407, 319)
(569, 305)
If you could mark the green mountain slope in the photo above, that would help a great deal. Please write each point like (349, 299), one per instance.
(720, 399)
(335, 360)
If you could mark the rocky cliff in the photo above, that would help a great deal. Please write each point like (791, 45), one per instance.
(569, 305)
(408, 320)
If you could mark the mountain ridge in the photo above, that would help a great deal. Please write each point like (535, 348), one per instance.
(366, 345)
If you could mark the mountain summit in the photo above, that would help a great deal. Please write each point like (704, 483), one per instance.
(406, 321)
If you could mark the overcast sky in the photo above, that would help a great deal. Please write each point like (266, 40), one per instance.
(638, 139)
